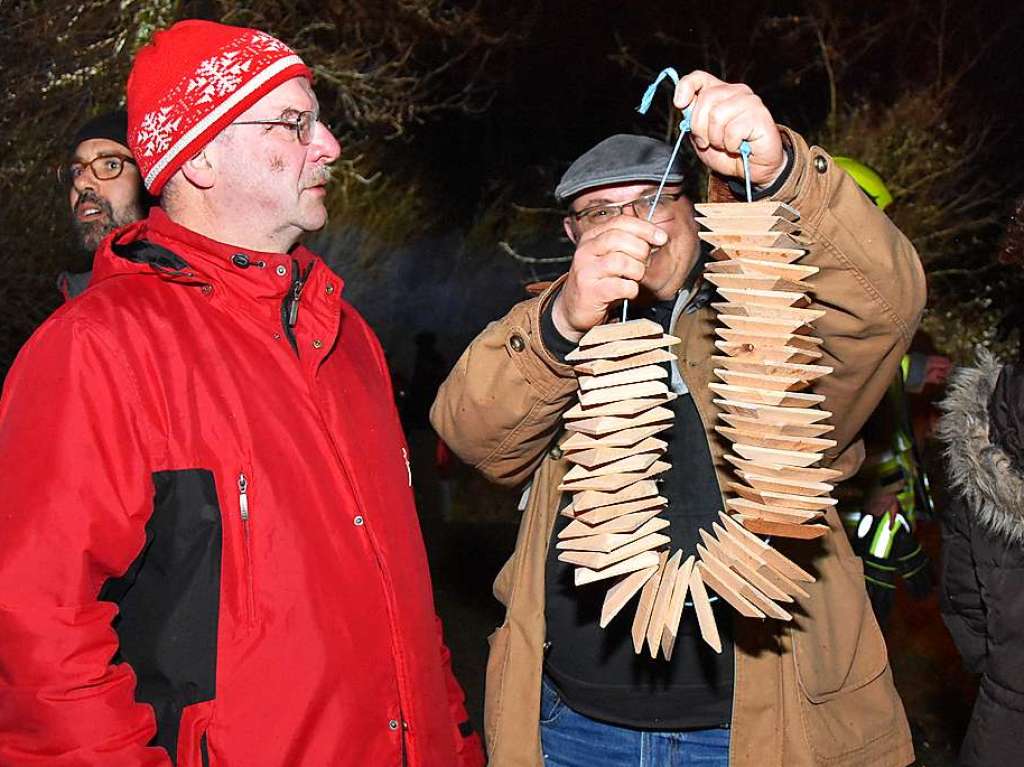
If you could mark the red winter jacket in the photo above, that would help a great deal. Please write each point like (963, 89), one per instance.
(208, 543)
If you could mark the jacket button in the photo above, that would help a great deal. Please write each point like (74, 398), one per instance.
(820, 164)
(281, 271)
(330, 288)
(317, 343)
(207, 289)
(393, 724)
(555, 452)
(358, 521)
(517, 343)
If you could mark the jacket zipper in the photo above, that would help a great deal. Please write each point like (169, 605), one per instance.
(243, 509)
(290, 305)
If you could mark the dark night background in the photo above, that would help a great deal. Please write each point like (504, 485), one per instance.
(458, 118)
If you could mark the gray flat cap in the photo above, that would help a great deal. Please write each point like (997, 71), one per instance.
(617, 160)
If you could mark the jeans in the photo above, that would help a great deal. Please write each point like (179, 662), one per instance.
(570, 739)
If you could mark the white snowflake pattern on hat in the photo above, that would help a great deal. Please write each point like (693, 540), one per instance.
(156, 131)
(219, 75)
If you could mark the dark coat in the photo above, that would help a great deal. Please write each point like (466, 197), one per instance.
(982, 598)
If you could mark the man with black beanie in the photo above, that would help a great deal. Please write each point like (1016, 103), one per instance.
(104, 187)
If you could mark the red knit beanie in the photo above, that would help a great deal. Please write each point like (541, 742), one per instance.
(192, 81)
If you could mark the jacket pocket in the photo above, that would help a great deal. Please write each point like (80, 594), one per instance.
(846, 699)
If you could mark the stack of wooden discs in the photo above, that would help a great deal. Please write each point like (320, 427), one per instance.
(617, 533)
(774, 422)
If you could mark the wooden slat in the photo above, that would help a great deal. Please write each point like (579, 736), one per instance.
(749, 224)
(608, 541)
(622, 409)
(603, 514)
(631, 376)
(713, 567)
(631, 462)
(788, 473)
(776, 457)
(586, 501)
(646, 606)
(762, 267)
(662, 602)
(582, 575)
(618, 596)
(759, 208)
(705, 615)
(593, 560)
(744, 566)
(676, 606)
(618, 349)
(772, 414)
(772, 556)
(772, 513)
(754, 282)
(775, 441)
(623, 393)
(782, 530)
(605, 366)
(768, 312)
(725, 239)
(624, 438)
(806, 372)
(762, 353)
(717, 577)
(741, 295)
(621, 331)
(779, 255)
(607, 424)
(746, 423)
(625, 523)
(766, 396)
(602, 456)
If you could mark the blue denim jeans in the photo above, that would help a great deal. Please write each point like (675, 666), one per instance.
(570, 739)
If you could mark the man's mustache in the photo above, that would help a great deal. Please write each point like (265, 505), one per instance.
(89, 197)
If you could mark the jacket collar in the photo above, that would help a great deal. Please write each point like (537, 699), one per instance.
(202, 260)
(981, 471)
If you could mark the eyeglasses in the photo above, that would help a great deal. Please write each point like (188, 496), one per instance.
(642, 207)
(303, 124)
(104, 168)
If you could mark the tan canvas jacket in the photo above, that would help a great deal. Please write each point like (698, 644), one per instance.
(818, 691)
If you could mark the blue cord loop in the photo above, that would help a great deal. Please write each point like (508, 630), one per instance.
(684, 128)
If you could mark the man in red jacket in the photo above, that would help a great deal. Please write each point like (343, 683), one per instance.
(210, 553)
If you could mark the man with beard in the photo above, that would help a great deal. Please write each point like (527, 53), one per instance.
(104, 188)
(210, 549)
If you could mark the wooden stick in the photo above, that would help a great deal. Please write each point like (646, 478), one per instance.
(623, 591)
(705, 615)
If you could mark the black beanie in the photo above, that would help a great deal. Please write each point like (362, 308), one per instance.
(110, 125)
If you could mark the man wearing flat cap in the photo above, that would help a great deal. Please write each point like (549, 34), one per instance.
(210, 552)
(560, 690)
(105, 189)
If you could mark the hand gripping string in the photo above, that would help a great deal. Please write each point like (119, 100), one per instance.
(684, 128)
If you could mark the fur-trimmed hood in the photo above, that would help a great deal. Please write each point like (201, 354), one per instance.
(982, 472)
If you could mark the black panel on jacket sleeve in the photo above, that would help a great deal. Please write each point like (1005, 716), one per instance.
(169, 601)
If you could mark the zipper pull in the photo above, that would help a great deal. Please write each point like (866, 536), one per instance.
(293, 310)
(243, 497)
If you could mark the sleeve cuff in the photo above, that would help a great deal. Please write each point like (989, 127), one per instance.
(739, 188)
(556, 344)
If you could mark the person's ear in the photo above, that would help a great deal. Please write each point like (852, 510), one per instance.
(199, 171)
(570, 229)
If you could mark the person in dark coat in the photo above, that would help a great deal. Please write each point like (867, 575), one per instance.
(982, 599)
